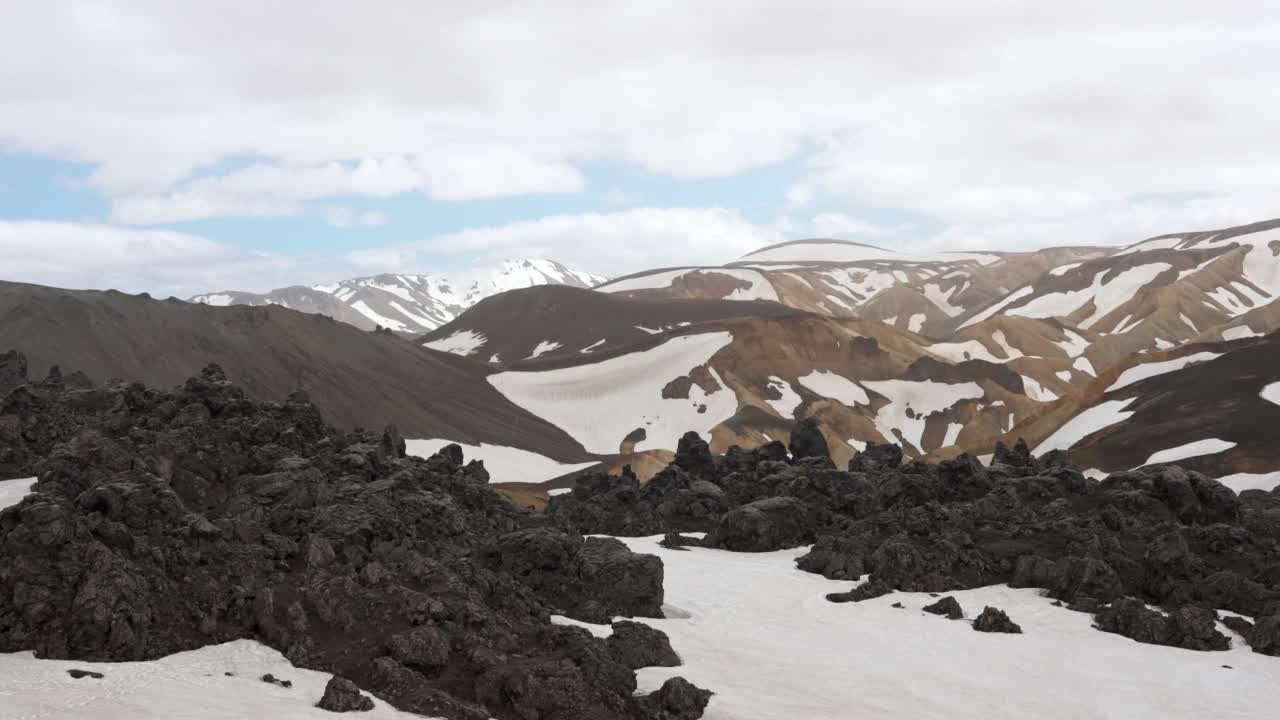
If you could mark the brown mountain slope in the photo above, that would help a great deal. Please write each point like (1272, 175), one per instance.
(355, 377)
(1208, 394)
(556, 321)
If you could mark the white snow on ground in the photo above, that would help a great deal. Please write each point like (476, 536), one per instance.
(462, 342)
(544, 347)
(422, 320)
(953, 434)
(1075, 345)
(761, 288)
(600, 631)
(12, 491)
(762, 636)
(650, 330)
(922, 398)
(934, 294)
(651, 281)
(1014, 297)
(496, 357)
(1083, 365)
(1148, 370)
(1095, 474)
(1211, 446)
(1240, 332)
(216, 299)
(1085, 424)
(1064, 375)
(1010, 352)
(1188, 322)
(505, 464)
(1064, 269)
(1162, 344)
(1240, 482)
(584, 400)
(958, 352)
(837, 387)
(559, 491)
(856, 444)
(916, 323)
(587, 350)
(1271, 393)
(1106, 295)
(1036, 391)
(361, 307)
(187, 686)
(790, 400)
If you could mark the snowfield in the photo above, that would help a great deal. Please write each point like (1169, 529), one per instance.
(1271, 393)
(1240, 482)
(761, 635)
(600, 403)
(1085, 424)
(790, 400)
(12, 491)
(1149, 370)
(911, 402)
(837, 387)
(1190, 450)
(505, 464)
(186, 686)
(463, 342)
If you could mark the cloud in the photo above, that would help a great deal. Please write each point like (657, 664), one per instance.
(843, 226)
(264, 190)
(345, 217)
(993, 115)
(164, 262)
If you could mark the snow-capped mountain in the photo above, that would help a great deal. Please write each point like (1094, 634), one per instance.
(409, 303)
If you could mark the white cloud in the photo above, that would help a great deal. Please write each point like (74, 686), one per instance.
(163, 262)
(843, 226)
(1008, 122)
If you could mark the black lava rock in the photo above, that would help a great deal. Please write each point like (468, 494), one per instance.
(993, 620)
(342, 695)
(77, 674)
(947, 606)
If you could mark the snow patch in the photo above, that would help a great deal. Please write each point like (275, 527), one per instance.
(1211, 446)
(1271, 393)
(584, 400)
(1141, 372)
(462, 342)
(837, 387)
(790, 400)
(361, 307)
(505, 464)
(12, 491)
(1036, 391)
(543, 348)
(1240, 482)
(916, 323)
(1085, 424)
(587, 350)
(953, 434)
(911, 402)
(190, 685)
(1240, 332)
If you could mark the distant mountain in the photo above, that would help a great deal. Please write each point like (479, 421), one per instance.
(410, 304)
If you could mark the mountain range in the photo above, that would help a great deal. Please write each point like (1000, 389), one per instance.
(408, 303)
(541, 376)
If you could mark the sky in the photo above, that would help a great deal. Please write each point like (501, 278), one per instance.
(181, 146)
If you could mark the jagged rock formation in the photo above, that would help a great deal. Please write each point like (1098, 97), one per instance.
(995, 620)
(163, 521)
(341, 695)
(1159, 536)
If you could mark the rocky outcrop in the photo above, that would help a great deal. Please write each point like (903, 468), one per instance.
(164, 521)
(994, 620)
(948, 607)
(341, 695)
(1165, 536)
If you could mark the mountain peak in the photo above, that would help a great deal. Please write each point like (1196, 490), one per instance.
(412, 303)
